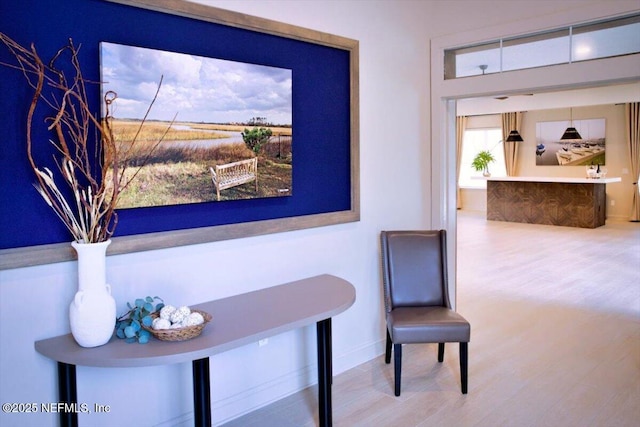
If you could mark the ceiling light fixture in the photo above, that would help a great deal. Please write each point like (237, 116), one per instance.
(514, 136)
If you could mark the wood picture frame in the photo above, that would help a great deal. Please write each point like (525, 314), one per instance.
(275, 220)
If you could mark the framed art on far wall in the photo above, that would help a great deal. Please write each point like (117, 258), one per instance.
(551, 150)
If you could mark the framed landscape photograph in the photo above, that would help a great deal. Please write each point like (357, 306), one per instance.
(225, 127)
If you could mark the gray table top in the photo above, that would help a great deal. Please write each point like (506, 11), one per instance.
(237, 320)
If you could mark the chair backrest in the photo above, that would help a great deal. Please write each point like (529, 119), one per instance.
(414, 268)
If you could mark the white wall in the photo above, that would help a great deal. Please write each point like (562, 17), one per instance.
(473, 199)
(396, 192)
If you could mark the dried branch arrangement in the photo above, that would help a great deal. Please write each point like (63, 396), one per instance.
(86, 154)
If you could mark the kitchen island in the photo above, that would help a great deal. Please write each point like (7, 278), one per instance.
(571, 202)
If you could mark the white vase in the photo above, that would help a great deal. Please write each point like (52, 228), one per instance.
(92, 313)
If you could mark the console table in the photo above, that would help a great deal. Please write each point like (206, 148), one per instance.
(237, 320)
(571, 202)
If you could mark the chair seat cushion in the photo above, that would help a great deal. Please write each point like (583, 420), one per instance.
(427, 325)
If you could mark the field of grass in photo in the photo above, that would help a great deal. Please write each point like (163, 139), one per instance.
(180, 174)
(277, 130)
(127, 130)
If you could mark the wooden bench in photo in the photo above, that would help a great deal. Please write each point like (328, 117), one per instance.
(234, 174)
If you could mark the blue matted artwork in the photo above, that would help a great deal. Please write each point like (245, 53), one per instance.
(324, 110)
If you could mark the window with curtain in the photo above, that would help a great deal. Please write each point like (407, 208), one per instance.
(474, 141)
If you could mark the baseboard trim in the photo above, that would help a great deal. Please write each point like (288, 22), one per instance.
(264, 394)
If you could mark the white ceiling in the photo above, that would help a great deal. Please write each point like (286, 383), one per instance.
(614, 94)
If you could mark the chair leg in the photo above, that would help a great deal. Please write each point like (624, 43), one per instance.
(387, 353)
(464, 365)
(440, 352)
(397, 360)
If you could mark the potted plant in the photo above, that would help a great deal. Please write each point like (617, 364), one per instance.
(481, 162)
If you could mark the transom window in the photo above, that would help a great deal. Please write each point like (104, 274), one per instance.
(583, 42)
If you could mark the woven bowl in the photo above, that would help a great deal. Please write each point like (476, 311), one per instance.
(179, 334)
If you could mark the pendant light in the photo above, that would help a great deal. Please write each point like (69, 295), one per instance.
(514, 136)
(571, 133)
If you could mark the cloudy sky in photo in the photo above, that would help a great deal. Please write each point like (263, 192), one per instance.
(198, 89)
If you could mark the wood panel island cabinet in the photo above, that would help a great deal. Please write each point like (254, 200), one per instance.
(571, 202)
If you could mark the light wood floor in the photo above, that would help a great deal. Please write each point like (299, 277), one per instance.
(555, 340)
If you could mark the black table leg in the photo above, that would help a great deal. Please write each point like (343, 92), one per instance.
(325, 371)
(67, 393)
(201, 393)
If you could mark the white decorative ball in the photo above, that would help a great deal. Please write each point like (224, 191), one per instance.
(180, 314)
(160, 323)
(167, 311)
(193, 319)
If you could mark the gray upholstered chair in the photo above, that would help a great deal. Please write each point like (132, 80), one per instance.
(416, 296)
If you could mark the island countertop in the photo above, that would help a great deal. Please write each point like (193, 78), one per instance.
(567, 180)
(566, 201)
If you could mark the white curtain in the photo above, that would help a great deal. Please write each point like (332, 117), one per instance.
(461, 125)
(511, 121)
(632, 127)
